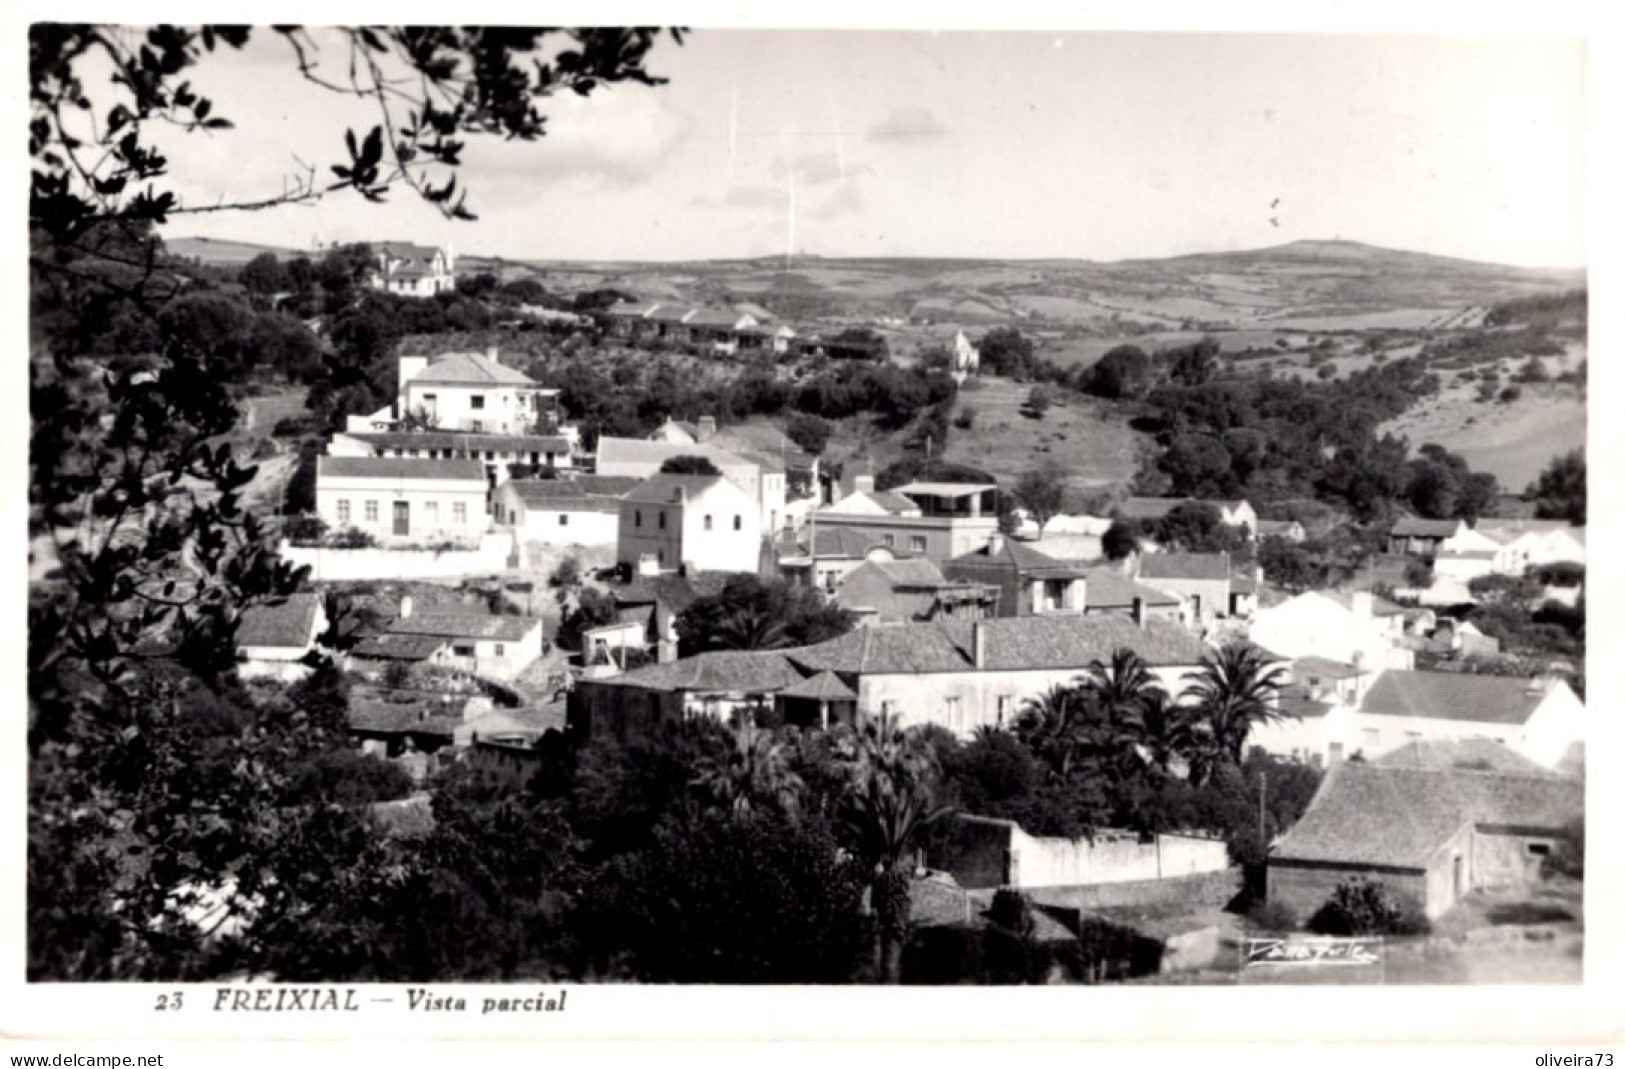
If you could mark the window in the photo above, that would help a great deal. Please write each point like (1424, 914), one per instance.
(460, 650)
(564, 519)
(739, 523)
(890, 540)
(432, 510)
(1007, 704)
(500, 649)
(429, 400)
(477, 402)
(459, 512)
(954, 723)
(707, 521)
(476, 426)
(662, 519)
(1538, 849)
(637, 518)
(370, 511)
(886, 708)
(916, 543)
(344, 511)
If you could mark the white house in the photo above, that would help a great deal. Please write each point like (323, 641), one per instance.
(481, 644)
(475, 392)
(705, 522)
(1541, 719)
(395, 499)
(762, 477)
(1355, 629)
(274, 637)
(413, 270)
(499, 453)
(1530, 543)
(583, 511)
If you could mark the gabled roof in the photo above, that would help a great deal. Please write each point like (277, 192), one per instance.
(711, 317)
(1323, 667)
(463, 442)
(405, 250)
(1453, 696)
(1011, 553)
(662, 488)
(670, 313)
(762, 438)
(1296, 701)
(888, 502)
(1477, 755)
(1345, 598)
(601, 492)
(1416, 527)
(721, 670)
(1107, 588)
(1269, 527)
(1185, 566)
(1371, 814)
(833, 543)
(400, 468)
(466, 625)
(674, 591)
(285, 623)
(916, 571)
(1019, 643)
(400, 647)
(825, 686)
(470, 369)
(631, 309)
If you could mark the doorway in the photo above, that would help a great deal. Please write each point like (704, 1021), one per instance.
(403, 517)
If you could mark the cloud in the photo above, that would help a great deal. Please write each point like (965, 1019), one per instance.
(616, 138)
(846, 200)
(747, 197)
(908, 124)
(821, 168)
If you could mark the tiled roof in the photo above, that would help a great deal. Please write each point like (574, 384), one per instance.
(284, 623)
(466, 625)
(834, 543)
(1416, 527)
(825, 686)
(1269, 527)
(405, 250)
(662, 488)
(1490, 524)
(762, 438)
(720, 670)
(670, 313)
(1019, 643)
(711, 317)
(954, 490)
(1185, 566)
(1479, 755)
(1297, 702)
(1107, 588)
(399, 647)
(595, 491)
(613, 450)
(471, 369)
(459, 442)
(1385, 815)
(631, 310)
(675, 591)
(1303, 667)
(1453, 696)
(912, 572)
(400, 468)
(1012, 553)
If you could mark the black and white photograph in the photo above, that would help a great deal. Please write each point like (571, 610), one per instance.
(567, 507)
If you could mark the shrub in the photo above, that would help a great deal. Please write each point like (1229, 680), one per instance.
(295, 427)
(1510, 394)
(397, 675)
(1366, 907)
(352, 538)
(304, 529)
(1273, 917)
(966, 418)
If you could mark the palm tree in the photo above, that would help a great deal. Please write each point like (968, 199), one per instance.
(1169, 733)
(1234, 690)
(890, 802)
(1052, 727)
(1120, 692)
(755, 775)
(747, 628)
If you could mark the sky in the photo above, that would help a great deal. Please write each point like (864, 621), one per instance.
(1101, 146)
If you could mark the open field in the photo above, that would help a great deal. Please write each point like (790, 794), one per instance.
(1091, 440)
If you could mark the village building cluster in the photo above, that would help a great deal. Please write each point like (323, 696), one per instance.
(960, 621)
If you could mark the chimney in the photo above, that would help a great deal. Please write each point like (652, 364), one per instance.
(864, 484)
(1137, 610)
(491, 354)
(707, 426)
(406, 607)
(679, 496)
(995, 544)
(978, 644)
(648, 564)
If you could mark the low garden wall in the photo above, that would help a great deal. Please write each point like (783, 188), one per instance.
(493, 554)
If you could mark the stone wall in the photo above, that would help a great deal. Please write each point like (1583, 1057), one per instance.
(984, 852)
